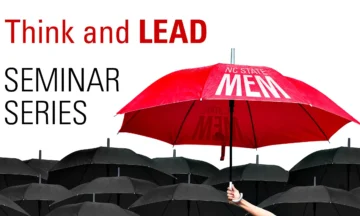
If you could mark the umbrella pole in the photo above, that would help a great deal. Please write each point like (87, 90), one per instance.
(39, 154)
(39, 207)
(231, 107)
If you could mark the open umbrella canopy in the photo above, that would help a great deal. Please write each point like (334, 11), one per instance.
(186, 169)
(185, 199)
(15, 172)
(122, 191)
(356, 191)
(35, 198)
(8, 207)
(86, 165)
(313, 201)
(191, 106)
(41, 166)
(337, 167)
(256, 181)
(91, 209)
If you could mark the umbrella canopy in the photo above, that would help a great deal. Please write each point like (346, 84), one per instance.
(41, 166)
(91, 208)
(185, 169)
(313, 201)
(337, 167)
(191, 106)
(232, 105)
(356, 191)
(35, 198)
(256, 181)
(15, 172)
(8, 207)
(86, 165)
(185, 199)
(122, 191)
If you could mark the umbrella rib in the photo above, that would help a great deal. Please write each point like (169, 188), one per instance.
(252, 124)
(317, 125)
(183, 122)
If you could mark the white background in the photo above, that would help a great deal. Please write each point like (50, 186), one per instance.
(314, 41)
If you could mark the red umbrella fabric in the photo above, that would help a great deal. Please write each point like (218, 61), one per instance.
(191, 106)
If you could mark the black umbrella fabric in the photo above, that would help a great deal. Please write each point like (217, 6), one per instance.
(356, 192)
(338, 168)
(9, 208)
(185, 200)
(91, 209)
(15, 172)
(186, 170)
(256, 181)
(86, 165)
(41, 166)
(313, 201)
(35, 198)
(122, 191)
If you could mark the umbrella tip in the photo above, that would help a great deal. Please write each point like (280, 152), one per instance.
(349, 142)
(40, 154)
(257, 159)
(232, 56)
(108, 142)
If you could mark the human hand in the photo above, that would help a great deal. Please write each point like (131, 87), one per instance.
(233, 194)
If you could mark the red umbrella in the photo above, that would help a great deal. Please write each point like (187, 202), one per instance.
(191, 106)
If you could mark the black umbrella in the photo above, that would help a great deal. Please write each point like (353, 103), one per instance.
(86, 165)
(122, 191)
(35, 198)
(91, 209)
(356, 192)
(185, 200)
(313, 201)
(186, 170)
(15, 172)
(41, 166)
(256, 181)
(9, 208)
(338, 168)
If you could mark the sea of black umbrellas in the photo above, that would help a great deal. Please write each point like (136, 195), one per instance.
(108, 181)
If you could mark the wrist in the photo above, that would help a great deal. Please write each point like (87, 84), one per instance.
(239, 199)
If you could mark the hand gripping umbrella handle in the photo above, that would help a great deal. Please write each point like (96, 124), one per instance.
(230, 185)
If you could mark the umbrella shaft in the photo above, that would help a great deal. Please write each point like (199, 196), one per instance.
(231, 107)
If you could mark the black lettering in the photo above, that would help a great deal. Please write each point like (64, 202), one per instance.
(10, 111)
(23, 112)
(40, 76)
(203, 127)
(115, 79)
(80, 112)
(91, 83)
(42, 111)
(72, 75)
(11, 79)
(61, 111)
(23, 79)
(53, 112)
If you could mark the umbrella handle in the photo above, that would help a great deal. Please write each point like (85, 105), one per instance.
(230, 185)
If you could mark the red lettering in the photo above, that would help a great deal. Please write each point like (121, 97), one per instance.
(203, 32)
(178, 32)
(143, 38)
(203, 127)
(90, 37)
(210, 128)
(32, 30)
(126, 29)
(66, 33)
(158, 31)
(12, 28)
